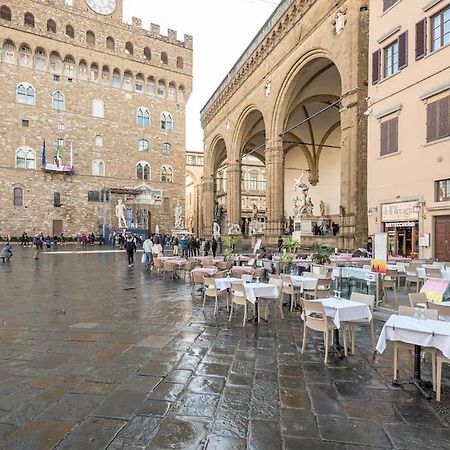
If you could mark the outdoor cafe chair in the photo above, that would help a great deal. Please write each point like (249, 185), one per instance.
(238, 298)
(291, 291)
(368, 300)
(322, 289)
(276, 280)
(433, 272)
(210, 290)
(443, 311)
(221, 274)
(440, 359)
(259, 273)
(418, 300)
(411, 312)
(169, 268)
(157, 265)
(186, 269)
(390, 282)
(316, 319)
(412, 276)
(197, 279)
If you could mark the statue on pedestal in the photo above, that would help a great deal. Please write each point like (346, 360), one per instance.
(120, 214)
(322, 208)
(216, 230)
(178, 216)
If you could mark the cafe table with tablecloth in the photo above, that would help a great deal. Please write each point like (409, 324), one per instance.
(222, 284)
(207, 271)
(253, 291)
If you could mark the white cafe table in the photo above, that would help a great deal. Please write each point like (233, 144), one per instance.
(225, 283)
(304, 282)
(253, 291)
(342, 310)
(420, 333)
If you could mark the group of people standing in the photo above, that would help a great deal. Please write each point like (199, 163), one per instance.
(191, 246)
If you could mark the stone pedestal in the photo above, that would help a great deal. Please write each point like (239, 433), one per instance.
(180, 232)
(255, 238)
(302, 227)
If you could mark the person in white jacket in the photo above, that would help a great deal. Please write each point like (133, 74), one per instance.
(148, 252)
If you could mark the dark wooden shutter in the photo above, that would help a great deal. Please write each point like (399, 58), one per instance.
(403, 50)
(421, 39)
(393, 135)
(376, 66)
(431, 121)
(384, 138)
(388, 3)
(443, 125)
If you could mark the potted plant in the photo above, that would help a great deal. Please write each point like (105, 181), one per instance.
(321, 254)
(230, 242)
(290, 247)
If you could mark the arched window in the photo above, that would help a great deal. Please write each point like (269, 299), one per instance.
(143, 171)
(9, 52)
(181, 93)
(128, 81)
(90, 37)
(25, 56)
(28, 20)
(98, 108)
(18, 196)
(143, 117)
(5, 13)
(94, 72)
(58, 101)
(129, 48)
(143, 145)
(56, 199)
(51, 26)
(166, 121)
(166, 174)
(150, 86)
(99, 141)
(172, 91)
(25, 94)
(164, 59)
(166, 149)
(147, 54)
(110, 43)
(55, 62)
(161, 88)
(70, 32)
(116, 79)
(98, 168)
(105, 75)
(82, 70)
(139, 83)
(40, 59)
(69, 66)
(180, 62)
(25, 158)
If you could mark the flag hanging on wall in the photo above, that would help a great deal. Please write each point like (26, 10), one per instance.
(43, 157)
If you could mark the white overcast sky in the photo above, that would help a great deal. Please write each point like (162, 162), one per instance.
(221, 29)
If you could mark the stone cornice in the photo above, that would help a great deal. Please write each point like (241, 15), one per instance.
(287, 14)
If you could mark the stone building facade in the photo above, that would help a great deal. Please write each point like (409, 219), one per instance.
(409, 126)
(295, 99)
(108, 99)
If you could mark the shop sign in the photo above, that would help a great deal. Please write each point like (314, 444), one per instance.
(400, 224)
(395, 212)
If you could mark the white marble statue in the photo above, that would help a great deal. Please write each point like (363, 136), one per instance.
(254, 211)
(178, 216)
(120, 214)
(256, 227)
(216, 230)
(322, 208)
(157, 229)
(301, 187)
(235, 228)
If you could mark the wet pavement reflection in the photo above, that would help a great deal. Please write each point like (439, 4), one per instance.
(97, 355)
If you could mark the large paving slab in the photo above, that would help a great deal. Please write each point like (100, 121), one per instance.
(96, 355)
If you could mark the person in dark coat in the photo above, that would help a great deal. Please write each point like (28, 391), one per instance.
(206, 248)
(214, 246)
(130, 248)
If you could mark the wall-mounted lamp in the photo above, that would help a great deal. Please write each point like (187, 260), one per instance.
(372, 210)
(420, 207)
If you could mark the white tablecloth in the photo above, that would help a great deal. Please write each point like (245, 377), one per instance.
(255, 290)
(342, 310)
(421, 272)
(225, 283)
(428, 333)
(358, 273)
(304, 282)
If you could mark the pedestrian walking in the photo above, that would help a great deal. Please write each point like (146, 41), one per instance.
(148, 253)
(36, 246)
(206, 248)
(214, 246)
(130, 248)
(6, 253)
(220, 245)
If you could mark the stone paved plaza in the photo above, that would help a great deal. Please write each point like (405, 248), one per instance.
(96, 355)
